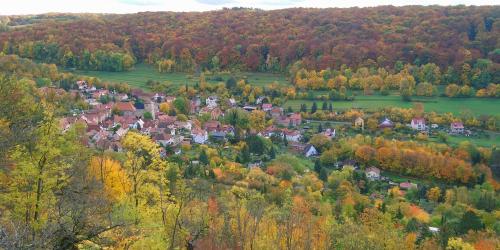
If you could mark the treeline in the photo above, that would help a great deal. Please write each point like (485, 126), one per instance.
(271, 41)
(420, 80)
(100, 59)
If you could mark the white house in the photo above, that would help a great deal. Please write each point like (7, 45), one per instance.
(418, 124)
(199, 136)
(212, 101)
(457, 128)
(310, 150)
(372, 173)
(292, 135)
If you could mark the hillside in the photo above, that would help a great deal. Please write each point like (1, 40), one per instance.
(256, 40)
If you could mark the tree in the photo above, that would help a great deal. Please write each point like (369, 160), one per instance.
(257, 120)
(458, 244)
(470, 221)
(434, 194)
(231, 83)
(147, 115)
(203, 158)
(324, 107)
(143, 165)
(303, 108)
(314, 107)
(452, 90)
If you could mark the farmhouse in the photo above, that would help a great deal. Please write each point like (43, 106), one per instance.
(267, 107)
(418, 124)
(457, 128)
(292, 135)
(372, 173)
(295, 119)
(386, 123)
(310, 150)
(359, 123)
(199, 136)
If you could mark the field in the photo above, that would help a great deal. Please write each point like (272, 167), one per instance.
(143, 72)
(438, 104)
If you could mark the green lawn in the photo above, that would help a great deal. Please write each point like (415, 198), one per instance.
(493, 140)
(478, 106)
(141, 73)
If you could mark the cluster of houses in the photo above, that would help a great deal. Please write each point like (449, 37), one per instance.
(417, 123)
(107, 122)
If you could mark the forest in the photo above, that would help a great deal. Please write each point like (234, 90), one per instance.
(256, 40)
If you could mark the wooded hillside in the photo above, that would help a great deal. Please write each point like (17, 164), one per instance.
(257, 40)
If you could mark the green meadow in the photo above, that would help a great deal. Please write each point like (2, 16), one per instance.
(141, 73)
(478, 106)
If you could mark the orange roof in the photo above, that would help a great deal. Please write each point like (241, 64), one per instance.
(125, 106)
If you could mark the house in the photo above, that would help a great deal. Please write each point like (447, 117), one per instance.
(283, 121)
(183, 125)
(310, 150)
(418, 124)
(329, 133)
(249, 108)
(231, 102)
(372, 173)
(292, 135)
(218, 135)
(211, 101)
(359, 122)
(211, 126)
(266, 107)
(139, 124)
(194, 105)
(163, 139)
(127, 108)
(170, 99)
(407, 185)
(158, 97)
(269, 131)
(457, 128)
(276, 112)
(386, 123)
(434, 125)
(199, 136)
(121, 97)
(295, 119)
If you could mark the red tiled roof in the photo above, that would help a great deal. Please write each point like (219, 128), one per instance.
(125, 106)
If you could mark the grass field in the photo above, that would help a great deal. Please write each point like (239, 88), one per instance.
(478, 106)
(142, 73)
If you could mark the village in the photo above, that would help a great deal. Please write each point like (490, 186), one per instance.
(112, 115)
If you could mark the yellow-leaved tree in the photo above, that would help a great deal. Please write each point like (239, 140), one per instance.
(111, 174)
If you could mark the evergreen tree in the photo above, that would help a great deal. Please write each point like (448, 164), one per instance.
(289, 110)
(317, 166)
(272, 153)
(203, 158)
(324, 106)
(314, 108)
(323, 174)
(303, 108)
(330, 107)
(320, 128)
(470, 221)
